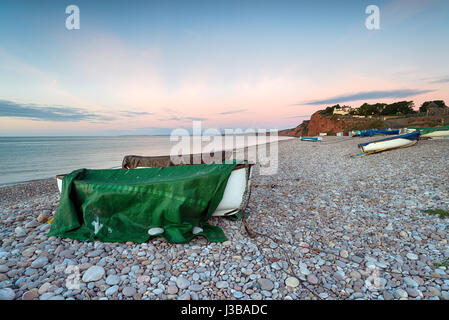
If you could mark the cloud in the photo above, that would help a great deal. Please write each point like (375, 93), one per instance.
(47, 113)
(441, 80)
(153, 130)
(195, 118)
(233, 111)
(368, 95)
(131, 114)
(292, 117)
(175, 118)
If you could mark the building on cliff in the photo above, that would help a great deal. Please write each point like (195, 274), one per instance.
(342, 110)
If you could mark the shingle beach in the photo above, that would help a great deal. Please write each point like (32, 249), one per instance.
(340, 227)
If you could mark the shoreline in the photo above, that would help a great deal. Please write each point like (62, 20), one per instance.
(12, 184)
(342, 221)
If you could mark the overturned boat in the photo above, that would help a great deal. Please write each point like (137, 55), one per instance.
(149, 197)
(432, 132)
(311, 139)
(399, 141)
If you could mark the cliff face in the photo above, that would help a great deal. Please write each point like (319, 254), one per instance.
(323, 123)
(317, 123)
(299, 131)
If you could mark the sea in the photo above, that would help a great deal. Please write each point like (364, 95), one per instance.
(31, 158)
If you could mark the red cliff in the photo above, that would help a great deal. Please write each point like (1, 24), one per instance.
(317, 123)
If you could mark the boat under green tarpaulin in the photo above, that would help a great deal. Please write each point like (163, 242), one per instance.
(432, 131)
(122, 205)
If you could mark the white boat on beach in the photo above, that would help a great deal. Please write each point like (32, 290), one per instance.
(432, 132)
(400, 141)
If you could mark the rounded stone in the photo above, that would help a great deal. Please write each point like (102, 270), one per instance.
(412, 256)
(401, 293)
(112, 279)
(195, 287)
(42, 218)
(312, 279)
(344, 254)
(182, 283)
(129, 291)
(265, 284)
(7, 294)
(39, 262)
(27, 253)
(172, 289)
(44, 288)
(256, 296)
(94, 273)
(412, 292)
(292, 282)
(222, 284)
(112, 290)
(31, 295)
(388, 295)
(4, 268)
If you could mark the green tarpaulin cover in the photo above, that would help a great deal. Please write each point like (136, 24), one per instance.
(430, 129)
(123, 204)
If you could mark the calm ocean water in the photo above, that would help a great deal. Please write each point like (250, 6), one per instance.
(29, 158)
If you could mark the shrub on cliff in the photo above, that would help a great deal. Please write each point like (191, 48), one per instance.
(399, 108)
(367, 109)
(425, 105)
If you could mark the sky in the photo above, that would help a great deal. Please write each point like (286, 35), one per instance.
(147, 67)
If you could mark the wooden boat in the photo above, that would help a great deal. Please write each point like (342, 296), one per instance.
(237, 188)
(432, 132)
(400, 141)
(311, 139)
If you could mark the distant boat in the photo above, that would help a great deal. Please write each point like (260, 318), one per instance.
(372, 132)
(400, 141)
(312, 139)
(432, 132)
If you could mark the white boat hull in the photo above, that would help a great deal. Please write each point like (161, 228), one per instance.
(233, 196)
(436, 134)
(388, 144)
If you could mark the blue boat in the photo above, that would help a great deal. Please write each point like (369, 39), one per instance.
(372, 132)
(400, 141)
(313, 139)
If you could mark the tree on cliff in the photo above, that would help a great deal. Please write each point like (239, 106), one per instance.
(399, 108)
(424, 107)
(330, 110)
(367, 109)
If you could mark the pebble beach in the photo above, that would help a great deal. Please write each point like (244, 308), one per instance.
(329, 225)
